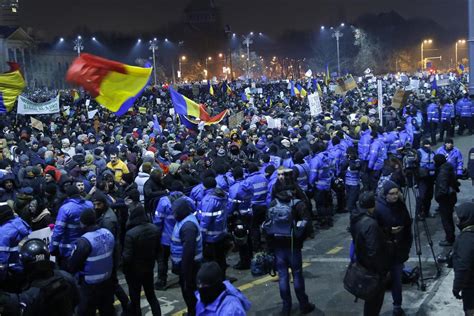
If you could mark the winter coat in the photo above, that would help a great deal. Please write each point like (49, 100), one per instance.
(230, 302)
(463, 252)
(454, 157)
(142, 242)
(390, 215)
(446, 185)
(370, 242)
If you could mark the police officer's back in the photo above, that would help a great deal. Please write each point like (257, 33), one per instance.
(50, 292)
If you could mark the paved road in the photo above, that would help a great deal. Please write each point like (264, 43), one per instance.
(325, 261)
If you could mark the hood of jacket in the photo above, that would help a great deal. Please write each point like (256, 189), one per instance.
(465, 213)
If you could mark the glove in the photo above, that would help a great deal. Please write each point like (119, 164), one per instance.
(457, 294)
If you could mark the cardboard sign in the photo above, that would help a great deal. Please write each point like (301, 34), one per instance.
(314, 104)
(399, 98)
(236, 119)
(442, 82)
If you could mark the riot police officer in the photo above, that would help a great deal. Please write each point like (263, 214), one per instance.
(426, 177)
(92, 258)
(49, 291)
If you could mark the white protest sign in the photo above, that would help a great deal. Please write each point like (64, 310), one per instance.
(247, 90)
(26, 106)
(91, 114)
(314, 104)
(309, 73)
(278, 123)
(259, 90)
(253, 85)
(171, 112)
(282, 95)
(270, 122)
(158, 101)
(88, 101)
(45, 235)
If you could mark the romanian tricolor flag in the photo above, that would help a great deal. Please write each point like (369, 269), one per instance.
(293, 90)
(226, 88)
(193, 123)
(75, 95)
(11, 86)
(460, 69)
(113, 85)
(302, 92)
(211, 88)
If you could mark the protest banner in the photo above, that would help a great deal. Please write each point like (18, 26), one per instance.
(236, 119)
(91, 114)
(26, 106)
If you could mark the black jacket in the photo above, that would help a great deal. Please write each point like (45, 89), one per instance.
(152, 191)
(389, 216)
(142, 241)
(463, 251)
(370, 242)
(446, 184)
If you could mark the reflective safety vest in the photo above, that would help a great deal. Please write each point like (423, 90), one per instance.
(11, 233)
(99, 264)
(177, 243)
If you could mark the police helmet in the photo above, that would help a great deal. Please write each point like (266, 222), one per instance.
(34, 254)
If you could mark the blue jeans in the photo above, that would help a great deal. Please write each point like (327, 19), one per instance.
(286, 259)
(396, 271)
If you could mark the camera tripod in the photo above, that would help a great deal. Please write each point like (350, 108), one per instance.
(409, 191)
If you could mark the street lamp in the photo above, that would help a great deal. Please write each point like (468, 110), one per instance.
(456, 49)
(426, 41)
(180, 60)
(207, 60)
(153, 47)
(247, 41)
(338, 34)
(78, 47)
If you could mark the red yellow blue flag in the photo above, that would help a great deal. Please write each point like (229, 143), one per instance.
(11, 86)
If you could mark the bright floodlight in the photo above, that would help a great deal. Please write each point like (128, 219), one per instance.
(94, 39)
(322, 27)
(220, 55)
(166, 39)
(61, 39)
(233, 35)
(79, 37)
(154, 39)
(251, 33)
(342, 24)
(261, 34)
(139, 40)
(183, 57)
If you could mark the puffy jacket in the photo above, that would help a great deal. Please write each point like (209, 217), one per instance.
(405, 138)
(446, 184)
(275, 160)
(177, 245)
(364, 145)
(12, 232)
(142, 242)
(378, 154)
(67, 227)
(320, 176)
(214, 215)
(224, 181)
(240, 198)
(197, 193)
(465, 108)
(370, 242)
(303, 176)
(390, 215)
(260, 188)
(454, 157)
(140, 180)
(99, 264)
(230, 302)
(392, 142)
(288, 163)
(337, 155)
(447, 112)
(163, 217)
(119, 169)
(271, 184)
(432, 113)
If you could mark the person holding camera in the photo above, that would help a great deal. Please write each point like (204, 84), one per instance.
(393, 216)
(446, 189)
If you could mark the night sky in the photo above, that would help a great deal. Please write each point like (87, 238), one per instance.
(60, 17)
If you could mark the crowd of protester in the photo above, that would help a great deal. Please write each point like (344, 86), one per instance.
(123, 193)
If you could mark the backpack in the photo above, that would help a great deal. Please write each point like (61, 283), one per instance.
(280, 219)
(262, 263)
(410, 275)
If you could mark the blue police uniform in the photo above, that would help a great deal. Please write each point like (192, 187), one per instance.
(11, 233)
(454, 157)
(99, 264)
(230, 302)
(177, 244)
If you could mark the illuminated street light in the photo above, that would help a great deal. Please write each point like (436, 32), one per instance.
(61, 39)
(94, 39)
(153, 47)
(78, 47)
(322, 27)
(342, 25)
(338, 34)
(456, 49)
(180, 60)
(426, 41)
(220, 55)
(139, 40)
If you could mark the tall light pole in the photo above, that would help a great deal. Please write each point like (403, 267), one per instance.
(247, 42)
(470, 10)
(207, 60)
(426, 41)
(180, 60)
(78, 47)
(456, 50)
(337, 34)
(153, 47)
